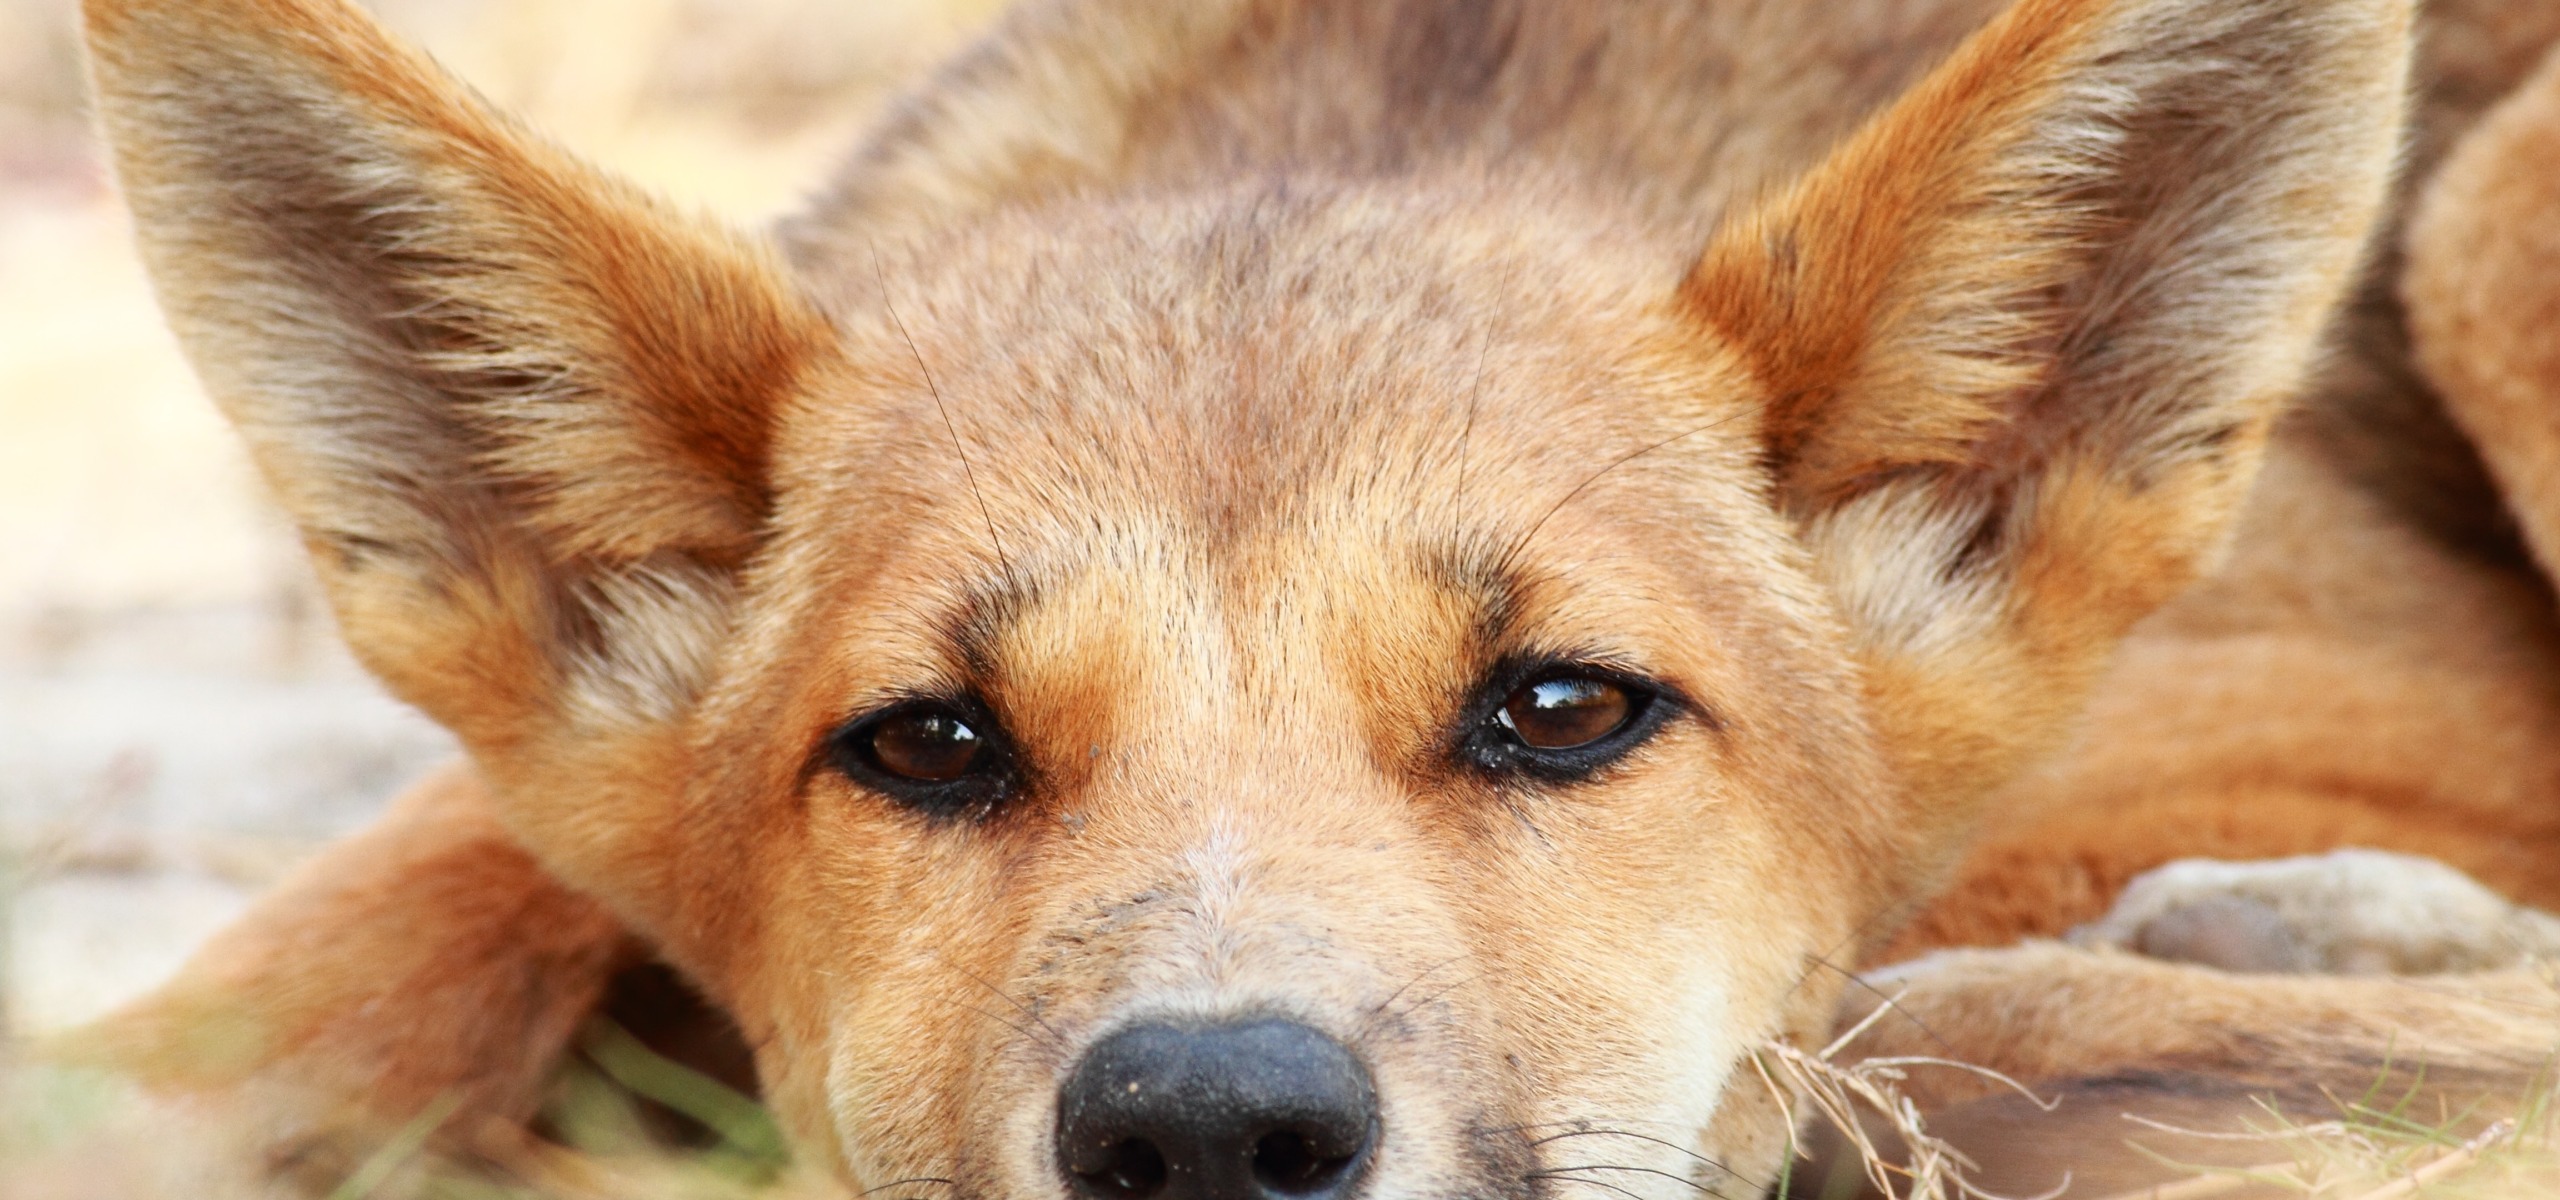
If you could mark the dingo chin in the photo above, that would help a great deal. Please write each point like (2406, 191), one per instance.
(1270, 598)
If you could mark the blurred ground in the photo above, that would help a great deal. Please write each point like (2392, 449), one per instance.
(177, 722)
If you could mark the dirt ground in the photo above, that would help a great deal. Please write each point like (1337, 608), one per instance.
(178, 724)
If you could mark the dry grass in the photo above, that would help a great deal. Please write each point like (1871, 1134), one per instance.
(2381, 1145)
(1819, 1085)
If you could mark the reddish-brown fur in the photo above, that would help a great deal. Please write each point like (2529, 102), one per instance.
(2374, 665)
(432, 921)
(1221, 391)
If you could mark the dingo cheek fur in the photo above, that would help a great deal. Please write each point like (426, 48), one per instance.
(1227, 411)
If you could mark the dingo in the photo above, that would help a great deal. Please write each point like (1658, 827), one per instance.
(1270, 598)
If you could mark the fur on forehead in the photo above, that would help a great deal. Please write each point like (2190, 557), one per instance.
(1353, 345)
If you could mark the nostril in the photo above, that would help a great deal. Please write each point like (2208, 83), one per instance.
(1134, 1171)
(1289, 1163)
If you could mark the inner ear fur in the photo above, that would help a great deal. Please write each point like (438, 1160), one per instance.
(518, 409)
(2024, 335)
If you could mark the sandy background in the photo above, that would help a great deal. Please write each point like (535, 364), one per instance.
(177, 722)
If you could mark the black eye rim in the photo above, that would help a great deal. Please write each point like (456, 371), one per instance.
(1485, 745)
(990, 781)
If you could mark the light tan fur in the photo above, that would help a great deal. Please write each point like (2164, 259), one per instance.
(1222, 392)
(2375, 663)
(2484, 295)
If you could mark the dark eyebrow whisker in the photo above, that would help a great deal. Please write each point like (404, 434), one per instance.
(881, 277)
(1522, 542)
(1475, 393)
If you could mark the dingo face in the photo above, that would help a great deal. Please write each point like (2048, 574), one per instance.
(1257, 683)
(1293, 693)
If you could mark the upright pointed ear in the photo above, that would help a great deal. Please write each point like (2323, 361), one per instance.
(518, 409)
(2025, 334)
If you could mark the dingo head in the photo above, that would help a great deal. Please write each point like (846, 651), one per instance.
(1381, 684)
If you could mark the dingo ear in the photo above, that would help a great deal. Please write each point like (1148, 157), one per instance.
(2025, 334)
(518, 409)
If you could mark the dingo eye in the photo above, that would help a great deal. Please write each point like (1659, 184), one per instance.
(1563, 722)
(928, 747)
(1564, 711)
(935, 755)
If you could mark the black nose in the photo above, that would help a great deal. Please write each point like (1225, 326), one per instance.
(1258, 1110)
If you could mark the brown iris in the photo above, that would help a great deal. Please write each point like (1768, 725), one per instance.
(928, 746)
(1561, 712)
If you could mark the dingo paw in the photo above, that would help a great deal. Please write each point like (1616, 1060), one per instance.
(2349, 912)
